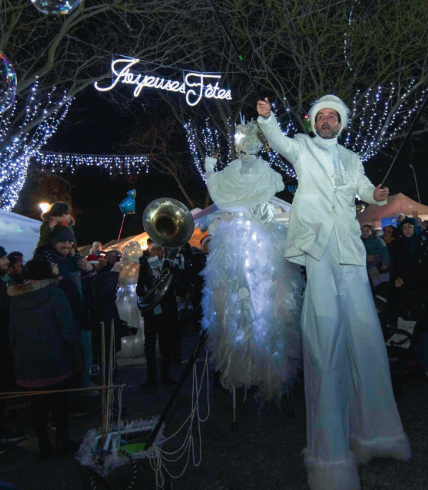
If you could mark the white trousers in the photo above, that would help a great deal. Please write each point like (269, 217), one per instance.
(350, 408)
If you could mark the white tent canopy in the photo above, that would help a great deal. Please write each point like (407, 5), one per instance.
(398, 203)
(19, 233)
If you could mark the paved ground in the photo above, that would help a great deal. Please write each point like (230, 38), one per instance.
(264, 454)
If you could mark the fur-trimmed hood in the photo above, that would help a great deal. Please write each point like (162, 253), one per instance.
(33, 293)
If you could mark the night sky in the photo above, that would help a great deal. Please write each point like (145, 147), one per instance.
(94, 125)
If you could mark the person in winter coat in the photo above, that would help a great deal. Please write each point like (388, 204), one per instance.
(408, 271)
(46, 347)
(7, 376)
(7, 372)
(377, 255)
(377, 252)
(60, 252)
(71, 265)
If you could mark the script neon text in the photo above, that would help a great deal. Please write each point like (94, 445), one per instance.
(194, 87)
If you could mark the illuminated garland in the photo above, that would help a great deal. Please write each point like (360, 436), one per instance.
(18, 145)
(384, 116)
(345, 38)
(113, 164)
(212, 144)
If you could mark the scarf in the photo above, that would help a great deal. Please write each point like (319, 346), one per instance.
(329, 147)
(388, 240)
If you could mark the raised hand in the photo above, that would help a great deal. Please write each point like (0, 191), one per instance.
(264, 108)
(380, 194)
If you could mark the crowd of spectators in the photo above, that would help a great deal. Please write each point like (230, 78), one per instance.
(52, 309)
(399, 257)
(397, 265)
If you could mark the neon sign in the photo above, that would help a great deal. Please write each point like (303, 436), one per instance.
(194, 87)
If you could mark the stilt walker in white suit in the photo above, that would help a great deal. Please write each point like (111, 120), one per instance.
(351, 412)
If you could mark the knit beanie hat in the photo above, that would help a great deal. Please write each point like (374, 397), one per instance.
(2, 252)
(331, 102)
(61, 234)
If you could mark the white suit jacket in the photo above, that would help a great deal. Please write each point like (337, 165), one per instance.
(319, 205)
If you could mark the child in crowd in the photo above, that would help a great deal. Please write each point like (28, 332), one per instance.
(378, 259)
(59, 213)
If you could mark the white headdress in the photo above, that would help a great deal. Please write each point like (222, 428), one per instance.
(248, 140)
(332, 102)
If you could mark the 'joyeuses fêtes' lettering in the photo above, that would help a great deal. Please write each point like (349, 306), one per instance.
(195, 85)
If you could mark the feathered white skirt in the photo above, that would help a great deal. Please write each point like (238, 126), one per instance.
(252, 301)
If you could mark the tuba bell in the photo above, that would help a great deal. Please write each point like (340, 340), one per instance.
(170, 224)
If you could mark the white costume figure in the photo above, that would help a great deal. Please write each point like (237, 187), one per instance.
(350, 408)
(126, 301)
(252, 299)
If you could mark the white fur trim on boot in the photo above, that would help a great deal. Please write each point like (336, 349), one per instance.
(342, 475)
(381, 447)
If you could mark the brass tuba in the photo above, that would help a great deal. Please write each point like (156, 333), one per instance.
(170, 224)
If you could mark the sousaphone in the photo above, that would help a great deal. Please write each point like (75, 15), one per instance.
(170, 224)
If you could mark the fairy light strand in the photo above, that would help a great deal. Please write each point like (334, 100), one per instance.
(18, 148)
(113, 164)
(384, 116)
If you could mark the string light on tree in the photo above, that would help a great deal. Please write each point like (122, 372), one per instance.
(345, 37)
(191, 136)
(23, 131)
(213, 143)
(384, 116)
(230, 132)
(8, 83)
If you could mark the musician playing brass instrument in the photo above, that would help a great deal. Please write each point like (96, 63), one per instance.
(160, 322)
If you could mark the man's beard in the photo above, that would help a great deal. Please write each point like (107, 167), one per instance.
(327, 135)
